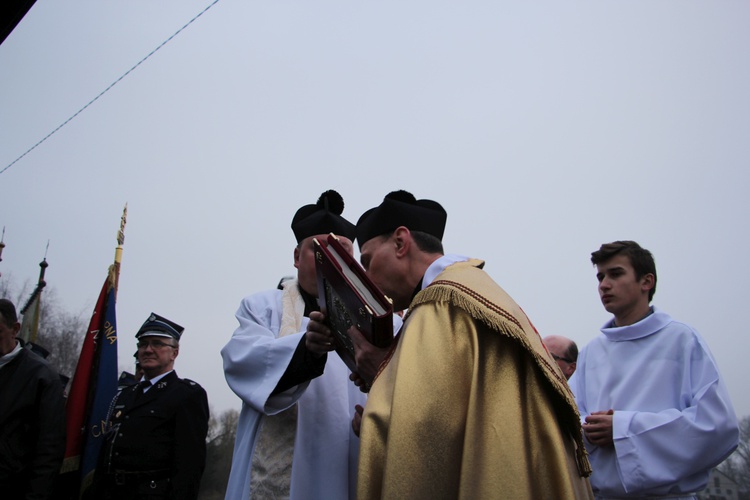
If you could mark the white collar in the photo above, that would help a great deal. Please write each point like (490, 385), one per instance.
(439, 266)
(156, 379)
(649, 325)
(4, 360)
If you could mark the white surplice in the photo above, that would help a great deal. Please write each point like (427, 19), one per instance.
(673, 418)
(325, 448)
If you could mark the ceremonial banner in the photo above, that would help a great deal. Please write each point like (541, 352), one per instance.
(31, 311)
(30, 321)
(92, 390)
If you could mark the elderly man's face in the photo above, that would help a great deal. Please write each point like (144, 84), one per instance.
(157, 354)
(558, 347)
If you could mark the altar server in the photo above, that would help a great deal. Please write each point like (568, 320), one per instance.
(657, 415)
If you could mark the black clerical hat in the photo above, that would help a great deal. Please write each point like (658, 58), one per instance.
(322, 218)
(401, 208)
(158, 326)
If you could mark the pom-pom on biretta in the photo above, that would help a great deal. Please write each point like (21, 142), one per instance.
(322, 218)
(401, 208)
(401, 195)
(332, 201)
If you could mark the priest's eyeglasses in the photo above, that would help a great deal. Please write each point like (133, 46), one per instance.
(156, 344)
(558, 358)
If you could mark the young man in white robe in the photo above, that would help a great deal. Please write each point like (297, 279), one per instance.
(657, 415)
(294, 437)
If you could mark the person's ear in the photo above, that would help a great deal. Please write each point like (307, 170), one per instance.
(402, 240)
(296, 257)
(647, 282)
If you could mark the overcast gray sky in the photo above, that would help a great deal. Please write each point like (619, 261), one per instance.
(544, 128)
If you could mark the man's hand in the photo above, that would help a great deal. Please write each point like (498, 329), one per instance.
(318, 337)
(368, 359)
(357, 420)
(598, 428)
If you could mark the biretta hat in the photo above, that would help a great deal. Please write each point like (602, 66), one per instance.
(158, 326)
(322, 218)
(401, 208)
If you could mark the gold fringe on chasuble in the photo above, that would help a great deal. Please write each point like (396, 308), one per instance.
(505, 323)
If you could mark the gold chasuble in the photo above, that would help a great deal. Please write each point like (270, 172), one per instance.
(470, 405)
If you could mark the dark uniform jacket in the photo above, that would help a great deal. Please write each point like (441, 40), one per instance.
(161, 433)
(32, 427)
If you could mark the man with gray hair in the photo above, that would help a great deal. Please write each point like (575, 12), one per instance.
(564, 351)
(156, 438)
(294, 438)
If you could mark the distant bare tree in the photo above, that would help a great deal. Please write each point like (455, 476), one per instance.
(61, 333)
(737, 466)
(9, 290)
(219, 447)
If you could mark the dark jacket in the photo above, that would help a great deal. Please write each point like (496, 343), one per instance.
(32, 427)
(162, 431)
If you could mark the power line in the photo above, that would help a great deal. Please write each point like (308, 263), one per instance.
(110, 86)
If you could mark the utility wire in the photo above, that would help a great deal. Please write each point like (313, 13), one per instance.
(111, 85)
